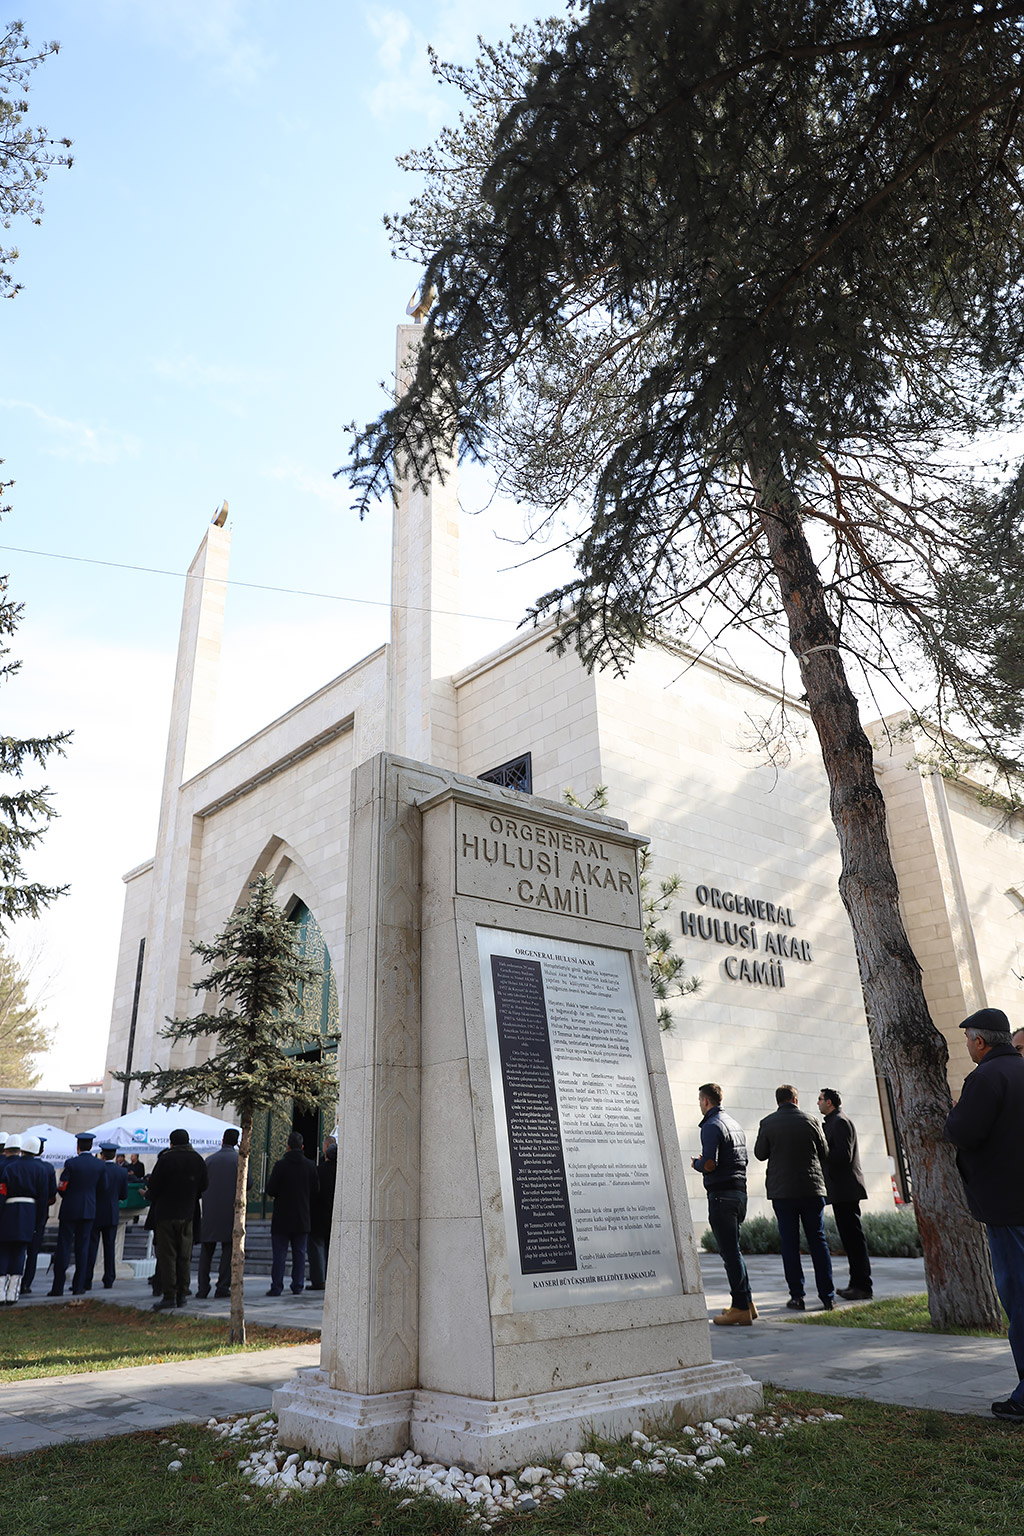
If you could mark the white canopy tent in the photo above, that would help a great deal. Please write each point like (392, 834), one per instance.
(149, 1128)
(59, 1145)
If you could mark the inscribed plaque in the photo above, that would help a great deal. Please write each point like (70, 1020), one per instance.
(586, 1204)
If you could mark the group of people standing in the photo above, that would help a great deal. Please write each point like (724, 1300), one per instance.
(91, 1190)
(192, 1203)
(810, 1164)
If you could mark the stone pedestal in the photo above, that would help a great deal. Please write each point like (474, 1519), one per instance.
(512, 1261)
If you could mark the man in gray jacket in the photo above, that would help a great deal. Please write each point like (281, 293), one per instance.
(218, 1222)
(794, 1147)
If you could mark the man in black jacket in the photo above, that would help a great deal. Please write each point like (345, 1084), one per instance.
(987, 1128)
(723, 1164)
(796, 1152)
(322, 1215)
(178, 1179)
(844, 1183)
(293, 1184)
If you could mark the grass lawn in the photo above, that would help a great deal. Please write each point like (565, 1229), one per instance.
(883, 1471)
(905, 1314)
(92, 1336)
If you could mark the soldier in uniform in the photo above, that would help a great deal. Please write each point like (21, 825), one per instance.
(19, 1188)
(110, 1191)
(77, 1185)
(31, 1147)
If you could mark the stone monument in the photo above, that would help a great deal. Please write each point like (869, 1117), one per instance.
(512, 1263)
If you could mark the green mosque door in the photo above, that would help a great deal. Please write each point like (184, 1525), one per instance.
(319, 1004)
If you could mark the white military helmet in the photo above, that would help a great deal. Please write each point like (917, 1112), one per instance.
(31, 1144)
(13, 1144)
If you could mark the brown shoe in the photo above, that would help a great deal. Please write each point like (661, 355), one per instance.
(741, 1317)
(753, 1310)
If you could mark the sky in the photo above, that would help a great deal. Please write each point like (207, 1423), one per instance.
(209, 298)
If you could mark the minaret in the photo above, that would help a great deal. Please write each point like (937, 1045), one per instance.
(165, 990)
(424, 652)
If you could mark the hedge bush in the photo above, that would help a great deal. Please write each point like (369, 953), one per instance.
(889, 1234)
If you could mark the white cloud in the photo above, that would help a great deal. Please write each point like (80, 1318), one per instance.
(76, 439)
(318, 483)
(221, 33)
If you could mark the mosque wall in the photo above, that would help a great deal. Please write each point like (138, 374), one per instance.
(960, 866)
(674, 742)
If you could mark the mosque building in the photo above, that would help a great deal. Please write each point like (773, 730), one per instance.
(757, 918)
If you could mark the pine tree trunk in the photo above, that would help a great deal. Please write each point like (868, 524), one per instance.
(913, 1053)
(237, 1334)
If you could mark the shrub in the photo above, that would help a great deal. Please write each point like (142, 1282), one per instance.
(889, 1234)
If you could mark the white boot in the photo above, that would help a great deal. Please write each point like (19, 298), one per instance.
(5, 1281)
(13, 1289)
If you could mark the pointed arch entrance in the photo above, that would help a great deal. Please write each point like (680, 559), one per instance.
(319, 1004)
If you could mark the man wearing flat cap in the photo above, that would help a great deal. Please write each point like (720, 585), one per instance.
(987, 1128)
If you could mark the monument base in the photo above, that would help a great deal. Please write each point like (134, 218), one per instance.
(490, 1437)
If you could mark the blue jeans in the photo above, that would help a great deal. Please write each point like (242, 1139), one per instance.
(280, 1242)
(726, 1209)
(811, 1212)
(1006, 1245)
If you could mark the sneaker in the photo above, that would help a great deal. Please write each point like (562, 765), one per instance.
(852, 1293)
(1009, 1410)
(741, 1317)
(796, 1304)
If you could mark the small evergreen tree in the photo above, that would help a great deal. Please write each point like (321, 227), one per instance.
(668, 978)
(256, 973)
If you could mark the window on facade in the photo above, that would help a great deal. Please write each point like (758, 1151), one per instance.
(517, 773)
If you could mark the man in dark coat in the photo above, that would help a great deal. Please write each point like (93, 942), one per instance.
(293, 1184)
(110, 1191)
(175, 1185)
(77, 1186)
(323, 1212)
(723, 1164)
(844, 1182)
(986, 1126)
(31, 1146)
(218, 1222)
(796, 1152)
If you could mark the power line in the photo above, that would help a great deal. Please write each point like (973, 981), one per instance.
(254, 586)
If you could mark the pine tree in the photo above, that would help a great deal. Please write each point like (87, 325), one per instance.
(26, 156)
(257, 976)
(727, 286)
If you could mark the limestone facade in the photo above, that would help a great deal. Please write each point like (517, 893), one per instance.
(672, 743)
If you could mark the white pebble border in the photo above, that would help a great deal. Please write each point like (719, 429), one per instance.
(275, 1472)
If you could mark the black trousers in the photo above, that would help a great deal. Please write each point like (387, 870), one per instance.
(108, 1236)
(223, 1271)
(173, 1246)
(72, 1236)
(851, 1235)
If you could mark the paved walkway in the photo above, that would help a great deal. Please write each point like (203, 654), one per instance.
(956, 1374)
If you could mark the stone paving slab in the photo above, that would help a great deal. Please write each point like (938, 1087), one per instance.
(57, 1409)
(956, 1374)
